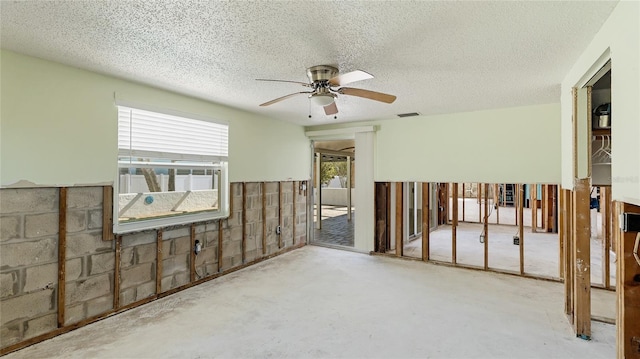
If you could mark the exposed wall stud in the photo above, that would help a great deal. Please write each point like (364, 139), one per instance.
(399, 219)
(605, 211)
(244, 222)
(426, 221)
(280, 240)
(107, 213)
(534, 207)
(454, 222)
(62, 253)
(293, 214)
(264, 217)
(158, 261)
(116, 274)
(628, 291)
(582, 260)
(220, 234)
(521, 225)
(486, 226)
(192, 257)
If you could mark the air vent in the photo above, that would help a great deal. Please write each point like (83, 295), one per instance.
(408, 114)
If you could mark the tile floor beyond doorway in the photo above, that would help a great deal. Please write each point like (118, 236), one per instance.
(325, 303)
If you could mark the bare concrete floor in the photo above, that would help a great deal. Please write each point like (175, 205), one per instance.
(320, 302)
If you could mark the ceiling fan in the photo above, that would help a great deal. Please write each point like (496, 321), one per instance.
(324, 82)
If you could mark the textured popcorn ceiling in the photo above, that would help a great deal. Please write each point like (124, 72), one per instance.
(437, 57)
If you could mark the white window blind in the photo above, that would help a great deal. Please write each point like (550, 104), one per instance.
(150, 134)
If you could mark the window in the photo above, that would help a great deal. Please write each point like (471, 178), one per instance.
(171, 170)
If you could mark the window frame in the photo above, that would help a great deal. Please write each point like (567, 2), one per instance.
(218, 163)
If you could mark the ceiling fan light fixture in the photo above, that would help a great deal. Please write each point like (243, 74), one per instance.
(322, 99)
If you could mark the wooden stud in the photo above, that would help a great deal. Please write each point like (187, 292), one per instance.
(280, 241)
(426, 221)
(582, 260)
(463, 197)
(244, 222)
(569, 255)
(192, 258)
(454, 223)
(561, 233)
(479, 202)
(62, 254)
(399, 219)
(605, 211)
(496, 202)
(628, 291)
(521, 225)
(486, 226)
(264, 218)
(534, 208)
(159, 261)
(116, 274)
(220, 234)
(544, 207)
(107, 213)
(293, 214)
(517, 209)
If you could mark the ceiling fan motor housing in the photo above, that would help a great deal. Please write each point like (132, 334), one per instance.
(321, 73)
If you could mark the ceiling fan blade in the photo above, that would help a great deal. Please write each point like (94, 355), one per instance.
(371, 95)
(283, 98)
(331, 109)
(350, 77)
(293, 82)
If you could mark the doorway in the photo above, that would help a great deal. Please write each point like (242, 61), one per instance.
(333, 207)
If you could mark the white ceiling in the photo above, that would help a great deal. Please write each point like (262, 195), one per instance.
(437, 57)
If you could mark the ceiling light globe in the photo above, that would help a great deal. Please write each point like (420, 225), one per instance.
(322, 99)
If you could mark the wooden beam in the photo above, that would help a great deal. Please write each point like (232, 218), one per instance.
(496, 202)
(62, 253)
(220, 234)
(561, 232)
(454, 222)
(280, 241)
(568, 259)
(605, 212)
(293, 212)
(534, 208)
(399, 219)
(486, 226)
(521, 225)
(480, 203)
(628, 291)
(159, 261)
(264, 218)
(244, 222)
(116, 274)
(544, 207)
(426, 221)
(192, 257)
(463, 197)
(107, 213)
(582, 260)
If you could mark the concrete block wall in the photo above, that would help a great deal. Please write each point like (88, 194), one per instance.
(90, 260)
(253, 221)
(206, 263)
(271, 204)
(137, 275)
(29, 220)
(300, 235)
(30, 240)
(232, 231)
(176, 253)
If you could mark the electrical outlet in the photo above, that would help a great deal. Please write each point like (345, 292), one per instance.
(278, 230)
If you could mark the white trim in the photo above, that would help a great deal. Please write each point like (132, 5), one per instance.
(595, 69)
(349, 132)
